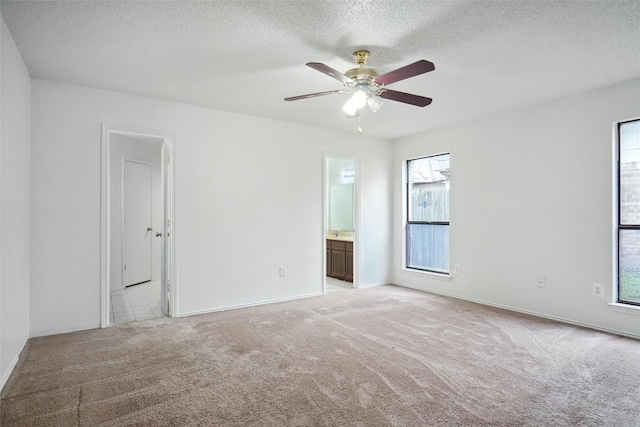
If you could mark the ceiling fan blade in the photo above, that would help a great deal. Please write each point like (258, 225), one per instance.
(325, 69)
(407, 98)
(313, 95)
(417, 68)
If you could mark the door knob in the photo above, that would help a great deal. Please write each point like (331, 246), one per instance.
(149, 228)
(158, 234)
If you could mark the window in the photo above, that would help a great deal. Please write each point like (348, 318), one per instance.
(629, 212)
(428, 214)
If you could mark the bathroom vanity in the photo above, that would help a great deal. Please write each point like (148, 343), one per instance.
(340, 259)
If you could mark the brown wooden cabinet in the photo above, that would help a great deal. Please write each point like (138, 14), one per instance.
(340, 260)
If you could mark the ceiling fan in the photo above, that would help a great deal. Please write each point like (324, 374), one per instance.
(367, 86)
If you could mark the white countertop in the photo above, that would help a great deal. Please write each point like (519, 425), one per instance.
(341, 238)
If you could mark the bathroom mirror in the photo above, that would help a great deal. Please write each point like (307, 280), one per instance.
(340, 194)
(341, 207)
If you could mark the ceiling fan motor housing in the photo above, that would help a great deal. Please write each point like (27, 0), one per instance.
(362, 76)
(362, 73)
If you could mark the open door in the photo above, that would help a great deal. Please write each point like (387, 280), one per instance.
(165, 298)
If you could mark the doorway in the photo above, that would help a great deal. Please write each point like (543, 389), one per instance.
(341, 219)
(137, 257)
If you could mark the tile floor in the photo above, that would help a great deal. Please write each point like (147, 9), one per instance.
(142, 302)
(135, 303)
(338, 285)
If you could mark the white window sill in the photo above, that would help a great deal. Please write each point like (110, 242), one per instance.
(427, 274)
(625, 308)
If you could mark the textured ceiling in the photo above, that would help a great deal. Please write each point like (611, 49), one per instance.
(246, 56)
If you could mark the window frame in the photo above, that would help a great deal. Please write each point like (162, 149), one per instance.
(408, 221)
(619, 227)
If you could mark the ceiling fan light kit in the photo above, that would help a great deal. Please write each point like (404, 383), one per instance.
(367, 86)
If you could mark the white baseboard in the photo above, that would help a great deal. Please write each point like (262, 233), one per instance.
(7, 373)
(519, 310)
(373, 285)
(252, 304)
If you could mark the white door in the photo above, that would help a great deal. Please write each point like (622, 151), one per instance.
(166, 232)
(137, 230)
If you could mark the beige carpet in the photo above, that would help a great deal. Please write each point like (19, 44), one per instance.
(383, 356)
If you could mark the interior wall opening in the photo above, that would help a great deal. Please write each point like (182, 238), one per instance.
(137, 260)
(341, 214)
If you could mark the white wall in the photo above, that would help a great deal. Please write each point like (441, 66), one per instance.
(249, 198)
(15, 124)
(122, 146)
(531, 197)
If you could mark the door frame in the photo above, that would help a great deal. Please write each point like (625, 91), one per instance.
(169, 255)
(356, 217)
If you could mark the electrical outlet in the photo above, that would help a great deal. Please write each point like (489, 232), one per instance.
(542, 282)
(456, 268)
(283, 271)
(597, 290)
